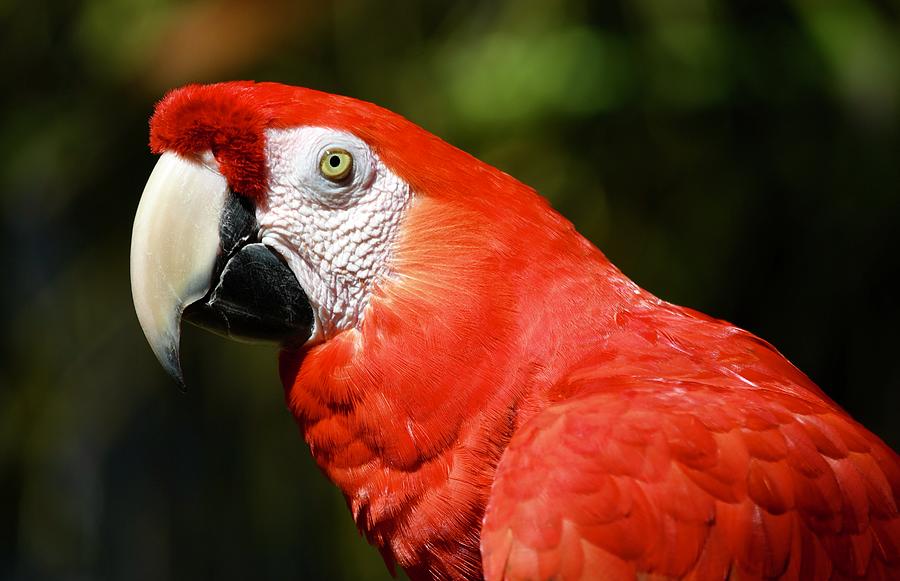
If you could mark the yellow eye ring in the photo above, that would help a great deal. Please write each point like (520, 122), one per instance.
(336, 164)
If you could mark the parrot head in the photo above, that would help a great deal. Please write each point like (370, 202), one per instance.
(277, 213)
(394, 269)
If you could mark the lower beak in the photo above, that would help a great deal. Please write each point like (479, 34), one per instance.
(195, 255)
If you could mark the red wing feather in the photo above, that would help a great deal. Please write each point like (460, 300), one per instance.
(686, 480)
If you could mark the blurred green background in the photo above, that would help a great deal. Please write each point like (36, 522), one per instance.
(742, 158)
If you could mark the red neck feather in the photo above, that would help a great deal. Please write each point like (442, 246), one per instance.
(410, 413)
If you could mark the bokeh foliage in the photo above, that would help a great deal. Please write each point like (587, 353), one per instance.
(742, 158)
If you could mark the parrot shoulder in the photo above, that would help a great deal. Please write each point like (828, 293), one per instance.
(688, 480)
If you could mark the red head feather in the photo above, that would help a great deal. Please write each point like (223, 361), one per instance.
(231, 119)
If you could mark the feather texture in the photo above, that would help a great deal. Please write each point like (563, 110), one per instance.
(513, 407)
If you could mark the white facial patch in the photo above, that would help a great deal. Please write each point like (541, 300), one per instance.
(336, 236)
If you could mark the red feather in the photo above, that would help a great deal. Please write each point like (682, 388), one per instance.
(512, 406)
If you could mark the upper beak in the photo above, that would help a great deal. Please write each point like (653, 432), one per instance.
(195, 253)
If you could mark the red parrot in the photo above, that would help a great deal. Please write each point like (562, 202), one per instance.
(494, 398)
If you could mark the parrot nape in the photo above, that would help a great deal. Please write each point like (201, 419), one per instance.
(493, 397)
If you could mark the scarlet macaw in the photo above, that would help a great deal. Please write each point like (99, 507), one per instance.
(493, 397)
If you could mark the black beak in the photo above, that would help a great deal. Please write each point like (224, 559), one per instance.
(254, 295)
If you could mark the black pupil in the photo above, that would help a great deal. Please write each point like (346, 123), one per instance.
(334, 161)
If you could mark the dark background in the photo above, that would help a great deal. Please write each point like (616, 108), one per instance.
(742, 158)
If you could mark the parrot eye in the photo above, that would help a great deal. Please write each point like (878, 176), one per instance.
(336, 164)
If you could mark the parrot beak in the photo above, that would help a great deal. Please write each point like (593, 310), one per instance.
(195, 255)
